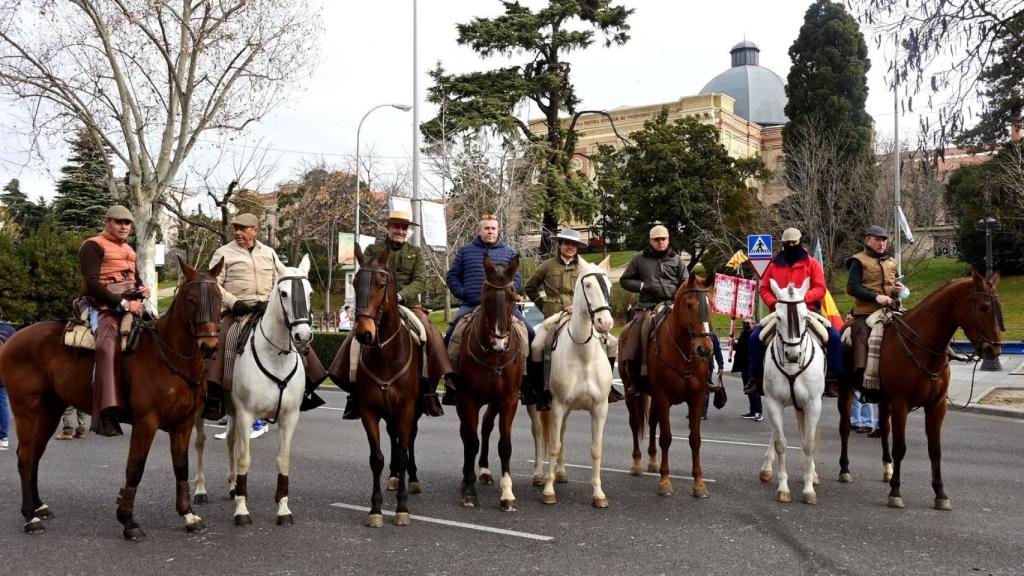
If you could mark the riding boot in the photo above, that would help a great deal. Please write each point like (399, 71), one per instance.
(213, 407)
(428, 398)
(541, 391)
(831, 386)
(107, 400)
(755, 386)
(351, 408)
(527, 391)
(451, 396)
(870, 395)
(613, 394)
(310, 399)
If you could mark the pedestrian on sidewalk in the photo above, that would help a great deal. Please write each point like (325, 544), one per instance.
(741, 364)
(69, 430)
(720, 361)
(6, 330)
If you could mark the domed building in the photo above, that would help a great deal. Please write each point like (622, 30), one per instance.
(759, 93)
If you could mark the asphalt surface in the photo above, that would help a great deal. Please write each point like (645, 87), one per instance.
(739, 529)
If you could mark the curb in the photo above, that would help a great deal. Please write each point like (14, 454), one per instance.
(1013, 413)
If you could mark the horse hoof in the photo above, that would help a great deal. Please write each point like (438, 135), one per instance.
(895, 502)
(810, 498)
(508, 505)
(652, 467)
(664, 489)
(549, 499)
(403, 519)
(845, 478)
(537, 480)
(375, 521)
(636, 470)
(44, 512)
(392, 484)
(134, 534)
(781, 496)
(201, 499)
(414, 488)
(765, 476)
(197, 527)
(701, 492)
(243, 520)
(943, 504)
(285, 520)
(470, 502)
(561, 478)
(600, 502)
(486, 479)
(34, 527)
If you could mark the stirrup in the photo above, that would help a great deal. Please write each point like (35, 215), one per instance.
(754, 386)
(614, 395)
(351, 409)
(430, 406)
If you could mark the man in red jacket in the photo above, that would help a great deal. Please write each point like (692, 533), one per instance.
(793, 265)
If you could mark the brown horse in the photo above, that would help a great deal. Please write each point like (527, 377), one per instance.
(678, 361)
(387, 379)
(490, 370)
(162, 381)
(914, 371)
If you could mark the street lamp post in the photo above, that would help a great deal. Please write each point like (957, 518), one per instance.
(403, 108)
(988, 224)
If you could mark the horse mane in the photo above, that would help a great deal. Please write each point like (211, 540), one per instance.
(949, 285)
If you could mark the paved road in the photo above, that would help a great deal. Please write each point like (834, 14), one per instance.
(738, 530)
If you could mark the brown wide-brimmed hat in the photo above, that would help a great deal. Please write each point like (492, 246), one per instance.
(400, 217)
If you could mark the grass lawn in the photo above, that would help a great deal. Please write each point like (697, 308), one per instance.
(618, 258)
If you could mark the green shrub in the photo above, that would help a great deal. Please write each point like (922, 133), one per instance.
(327, 344)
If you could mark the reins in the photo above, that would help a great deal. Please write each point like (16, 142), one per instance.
(802, 341)
(591, 310)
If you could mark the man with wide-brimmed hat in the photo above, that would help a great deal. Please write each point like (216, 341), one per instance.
(411, 278)
(110, 273)
(246, 281)
(874, 284)
(556, 277)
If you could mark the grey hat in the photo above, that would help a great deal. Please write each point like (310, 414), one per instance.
(245, 219)
(570, 235)
(877, 231)
(118, 212)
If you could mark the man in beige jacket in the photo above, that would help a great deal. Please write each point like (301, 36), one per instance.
(246, 281)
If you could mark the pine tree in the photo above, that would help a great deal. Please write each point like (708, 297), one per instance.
(83, 195)
(1005, 80)
(22, 215)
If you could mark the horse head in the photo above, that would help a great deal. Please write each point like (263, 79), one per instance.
(592, 294)
(983, 320)
(376, 293)
(201, 301)
(293, 292)
(497, 297)
(791, 317)
(694, 305)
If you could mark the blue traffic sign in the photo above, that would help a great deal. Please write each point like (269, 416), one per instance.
(759, 246)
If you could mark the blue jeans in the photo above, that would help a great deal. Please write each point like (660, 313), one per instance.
(862, 414)
(834, 352)
(465, 309)
(5, 415)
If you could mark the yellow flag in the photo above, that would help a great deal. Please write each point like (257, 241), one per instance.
(737, 260)
(831, 311)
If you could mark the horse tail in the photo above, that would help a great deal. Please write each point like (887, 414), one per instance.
(645, 411)
(545, 420)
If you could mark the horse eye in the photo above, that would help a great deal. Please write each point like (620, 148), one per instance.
(983, 307)
(284, 293)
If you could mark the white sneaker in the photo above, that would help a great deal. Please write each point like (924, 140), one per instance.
(4, 443)
(221, 435)
(758, 417)
(259, 432)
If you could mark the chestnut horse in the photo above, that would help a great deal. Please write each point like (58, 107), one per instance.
(914, 371)
(490, 364)
(387, 380)
(678, 363)
(162, 380)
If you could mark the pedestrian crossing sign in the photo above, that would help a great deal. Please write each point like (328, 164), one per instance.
(759, 246)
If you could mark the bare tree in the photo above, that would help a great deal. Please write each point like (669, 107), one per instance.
(149, 78)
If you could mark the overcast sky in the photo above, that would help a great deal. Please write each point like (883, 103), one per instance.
(675, 48)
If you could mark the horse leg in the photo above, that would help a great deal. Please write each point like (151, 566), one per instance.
(486, 427)
(808, 420)
(696, 408)
(393, 464)
(885, 424)
(371, 423)
(556, 416)
(899, 450)
(933, 417)
(200, 495)
(34, 432)
(469, 413)
(399, 429)
(537, 426)
(285, 431)
(636, 426)
(652, 432)
(773, 410)
(242, 424)
(179, 461)
(142, 438)
(229, 444)
(598, 417)
(659, 408)
(768, 462)
(561, 476)
(410, 467)
(844, 404)
(508, 499)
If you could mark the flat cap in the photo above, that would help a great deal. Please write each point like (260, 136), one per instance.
(118, 212)
(791, 235)
(245, 219)
(876, 231)
(659, 231)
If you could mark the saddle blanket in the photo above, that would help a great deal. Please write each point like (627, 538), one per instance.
(80, 332)
(817, 323)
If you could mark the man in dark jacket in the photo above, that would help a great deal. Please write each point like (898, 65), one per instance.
(655, 273)
(741, 364)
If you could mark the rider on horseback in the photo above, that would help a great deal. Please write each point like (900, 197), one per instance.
(793, 265)
(110, 270)
(557, 276)
(246, 282)
(873, 284)
(410, 276)
(655, 273)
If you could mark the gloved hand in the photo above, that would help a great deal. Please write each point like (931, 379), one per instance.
(241, 308)
(259, 307)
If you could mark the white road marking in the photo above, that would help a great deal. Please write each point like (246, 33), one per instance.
(733, 442)
(603, 469)
(453, 523)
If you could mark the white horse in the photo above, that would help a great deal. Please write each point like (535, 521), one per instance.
(794, 374)
(580, 380)
(268, 383)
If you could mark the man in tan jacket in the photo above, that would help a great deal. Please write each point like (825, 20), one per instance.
(246, 281)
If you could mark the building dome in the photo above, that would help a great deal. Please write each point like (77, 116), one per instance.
(759, 93)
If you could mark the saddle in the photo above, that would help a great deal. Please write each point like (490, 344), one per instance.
(816, 323)
(649, 327)
(80, 330)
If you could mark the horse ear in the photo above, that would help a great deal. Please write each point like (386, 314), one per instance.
(215, 271)
(189, 271)
(775, 286)
(606, 264)
(487, 263)
(304, 264)
(995, 279)
(513, 265)
(978, 279)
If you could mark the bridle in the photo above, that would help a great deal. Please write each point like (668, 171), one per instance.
(997, 310)
(502, 313)
(602, 282)
(363, 301)
(802, 342)
(206, 313)
(704, 310)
